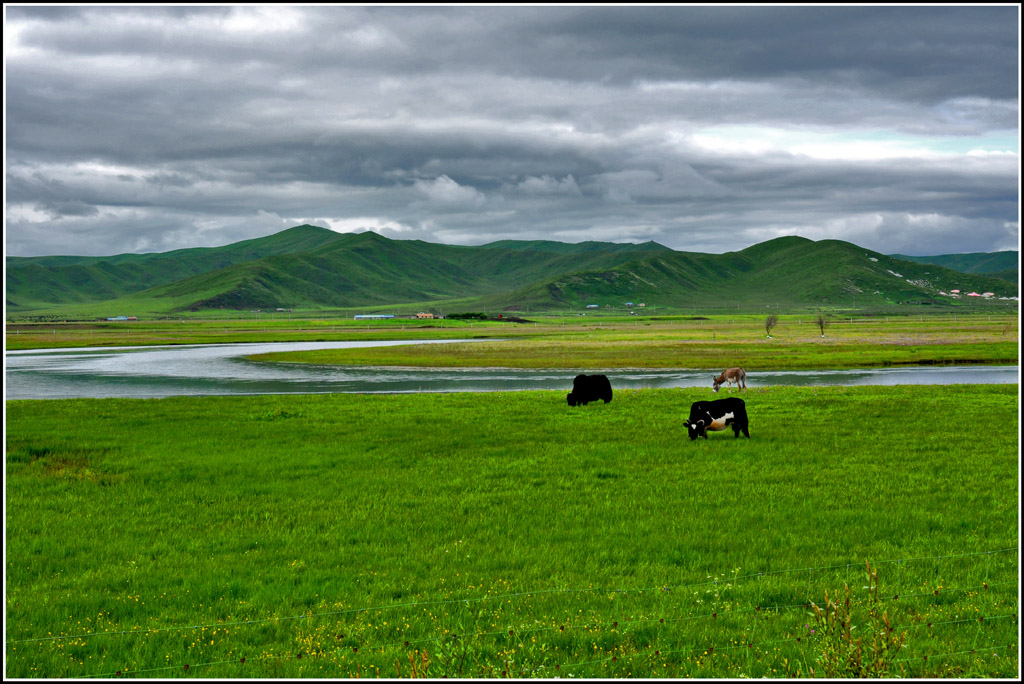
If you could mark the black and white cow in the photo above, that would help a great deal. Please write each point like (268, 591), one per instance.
(717, 415)
(588, 388)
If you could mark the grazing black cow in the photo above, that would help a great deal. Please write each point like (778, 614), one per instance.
(717, 415)
(588, 388)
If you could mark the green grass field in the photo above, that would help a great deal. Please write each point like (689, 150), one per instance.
(587, 342)
(709, 343)
(501, 534)
(202, 331)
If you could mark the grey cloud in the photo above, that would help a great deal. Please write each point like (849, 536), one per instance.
(444, 192)
(884, 47)
(59, 209)
(668, 181)
(163, 179)
(545, 185)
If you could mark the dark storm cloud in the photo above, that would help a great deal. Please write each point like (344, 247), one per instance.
(704, 128)
(898, 49)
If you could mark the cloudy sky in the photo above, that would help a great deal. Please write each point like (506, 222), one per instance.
(705, 129)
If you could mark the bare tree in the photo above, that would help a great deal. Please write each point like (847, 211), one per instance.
(822, 322)
(770, 322)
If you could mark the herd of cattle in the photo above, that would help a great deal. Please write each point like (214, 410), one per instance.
(705, 416)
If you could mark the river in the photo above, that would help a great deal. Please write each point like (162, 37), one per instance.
(220, 369)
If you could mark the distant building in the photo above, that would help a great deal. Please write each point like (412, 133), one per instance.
(593, 306)
(372, 317)
(424, 315)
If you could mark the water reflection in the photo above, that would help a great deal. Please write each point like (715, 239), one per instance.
(221, 370)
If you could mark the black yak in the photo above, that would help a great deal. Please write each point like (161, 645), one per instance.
(588, 388)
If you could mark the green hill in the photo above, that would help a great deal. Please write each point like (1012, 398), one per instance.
(307, 267)
(35, 282)
(785, 272)
(1002, 265)
(576, 247)
(366, 269)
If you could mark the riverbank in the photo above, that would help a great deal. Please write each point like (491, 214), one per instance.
(712, 344)
(683, 354)
(233, 331)
(975, 330)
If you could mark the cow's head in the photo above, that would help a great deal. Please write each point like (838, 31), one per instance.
(695, 429)
(571, 398)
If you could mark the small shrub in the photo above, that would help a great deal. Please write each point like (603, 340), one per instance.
(842, 655)
(822, 322)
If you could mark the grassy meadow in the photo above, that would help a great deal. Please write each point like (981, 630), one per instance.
(709, 343)
(505, 534)
(603, 341)
(205, 331)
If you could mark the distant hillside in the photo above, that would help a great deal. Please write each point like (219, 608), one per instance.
(574, 247)
(1003, 265)
(38, 281)
(366, 269)
(307, 267)
(785, 272)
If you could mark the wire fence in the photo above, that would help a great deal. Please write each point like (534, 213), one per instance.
(647, 626)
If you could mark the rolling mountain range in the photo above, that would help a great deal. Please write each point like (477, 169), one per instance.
(308, 267)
